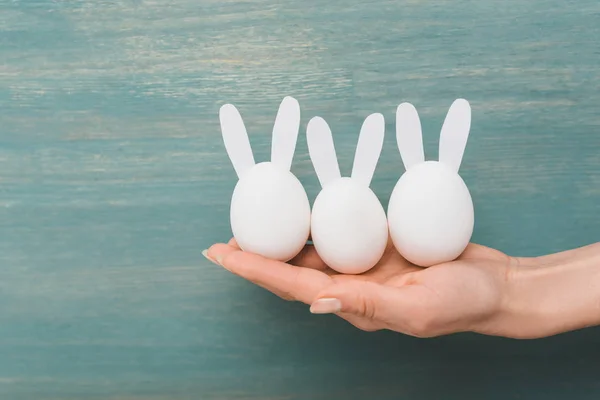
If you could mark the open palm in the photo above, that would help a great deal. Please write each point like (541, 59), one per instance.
(463, 295)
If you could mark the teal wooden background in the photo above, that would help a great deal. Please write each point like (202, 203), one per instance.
(113, 178)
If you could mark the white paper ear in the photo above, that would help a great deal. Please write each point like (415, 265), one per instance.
(285, 133)
(454, 134)
(322, 150)
(236, 139)
(409, 135)
(368, 149)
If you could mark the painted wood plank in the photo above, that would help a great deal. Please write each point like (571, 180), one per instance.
(113, 178)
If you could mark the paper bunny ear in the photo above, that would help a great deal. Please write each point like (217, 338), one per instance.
(236, 139)
(454, 134)
(285, 133)
(409, 135)
(368, 149)
(322, 150)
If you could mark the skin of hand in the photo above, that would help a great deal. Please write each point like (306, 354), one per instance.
(483, 291)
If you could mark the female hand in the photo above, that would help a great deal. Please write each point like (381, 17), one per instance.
(483, 291)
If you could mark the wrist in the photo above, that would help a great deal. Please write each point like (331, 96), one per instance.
(554, 294)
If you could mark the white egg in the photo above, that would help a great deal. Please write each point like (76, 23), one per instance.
(270, 212)
(430, 214)
(349, 226)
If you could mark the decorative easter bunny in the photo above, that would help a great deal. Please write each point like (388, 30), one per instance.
(348, 225)
(270, 211)
(430, 212)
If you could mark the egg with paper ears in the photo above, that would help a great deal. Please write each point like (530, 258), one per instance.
(270, 212)
(430, 214)
(349, 226)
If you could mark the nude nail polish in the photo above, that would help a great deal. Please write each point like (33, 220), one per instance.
(326, 306)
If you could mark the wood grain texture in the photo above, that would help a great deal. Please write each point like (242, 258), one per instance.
(113, 178)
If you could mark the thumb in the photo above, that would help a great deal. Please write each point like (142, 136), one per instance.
(361, 298)
(408, 309)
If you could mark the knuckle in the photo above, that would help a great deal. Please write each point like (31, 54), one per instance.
(424, 325)
(288, 292)
(234, 261)
(366, 306)
(231, 257)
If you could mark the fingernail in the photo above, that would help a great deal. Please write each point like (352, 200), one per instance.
(326, 306)
(205, 254)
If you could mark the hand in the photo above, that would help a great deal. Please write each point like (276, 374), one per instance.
(469, 294)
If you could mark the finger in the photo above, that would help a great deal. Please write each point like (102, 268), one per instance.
(406, 309)
(307, 258)
(298, 283)
(278, 293)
